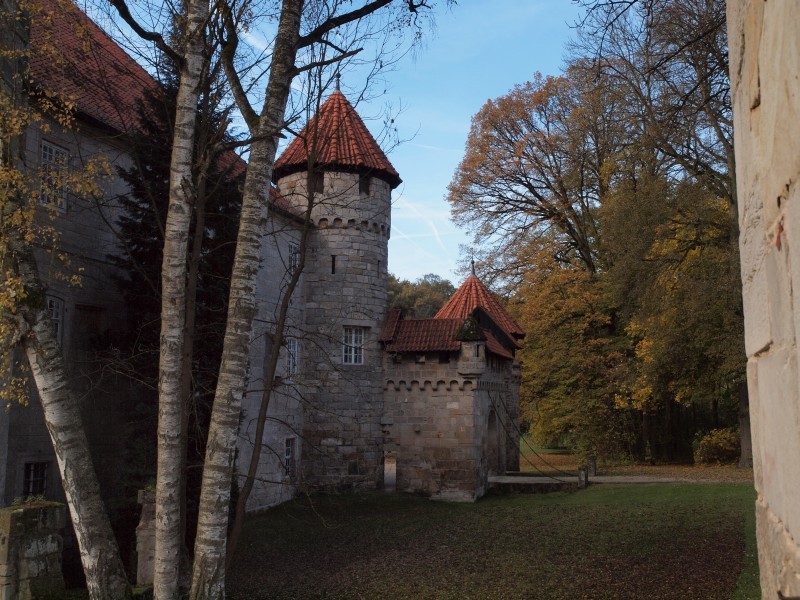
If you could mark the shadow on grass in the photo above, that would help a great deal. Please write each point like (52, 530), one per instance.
(647, 541)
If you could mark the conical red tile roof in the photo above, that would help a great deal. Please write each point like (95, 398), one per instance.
(344, 143)
(470, 296)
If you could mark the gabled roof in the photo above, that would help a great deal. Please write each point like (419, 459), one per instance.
(425, 335)
(473, 294)
(338, 138)
(73, 57)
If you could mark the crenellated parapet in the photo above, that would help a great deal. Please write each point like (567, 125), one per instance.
(414, 385)
(363, 225)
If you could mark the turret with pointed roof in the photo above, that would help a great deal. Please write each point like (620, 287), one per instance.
(336, 139)
(473, 294)
(337, 166)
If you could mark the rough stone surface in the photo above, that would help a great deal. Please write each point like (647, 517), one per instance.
(146, 538)
(764, 47)
(30, 551)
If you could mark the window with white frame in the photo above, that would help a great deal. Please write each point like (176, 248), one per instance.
(52, 189)
(292, 356)
(294, 258)
(289, 458)
(55, 307)
(34, 482)
(353, 345)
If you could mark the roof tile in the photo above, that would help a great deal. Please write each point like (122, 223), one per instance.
(344, 143)
(470, 296)
(73, 57)
(425, 335)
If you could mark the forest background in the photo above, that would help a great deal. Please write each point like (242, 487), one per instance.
(602, 208)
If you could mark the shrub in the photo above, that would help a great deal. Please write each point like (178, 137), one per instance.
(717, 446)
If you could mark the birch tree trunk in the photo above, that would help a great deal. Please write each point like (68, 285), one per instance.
(105, 575)
(173, 311)
(208, 577)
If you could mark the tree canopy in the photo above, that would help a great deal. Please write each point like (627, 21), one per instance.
(606, 197)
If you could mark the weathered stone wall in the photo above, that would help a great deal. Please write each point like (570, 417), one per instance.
(430, 423)
(285, 412)
(764, 39)
(448, 423)
(342, 434)
(30, 552)
(91, 309)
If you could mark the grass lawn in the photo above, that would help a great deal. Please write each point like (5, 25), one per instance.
(677, 541)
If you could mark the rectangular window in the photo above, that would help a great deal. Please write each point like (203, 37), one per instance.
(294, 258)
(333, 264)
(35, 481)
(55, 306)
(353, 346)
(363, 184)
(318, 183)
(53, 163)
(288, 459)
(292, 356)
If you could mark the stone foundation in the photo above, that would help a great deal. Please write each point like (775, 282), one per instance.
(30, 551)
(778, 555)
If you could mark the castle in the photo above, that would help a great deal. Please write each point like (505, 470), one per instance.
(363, 397)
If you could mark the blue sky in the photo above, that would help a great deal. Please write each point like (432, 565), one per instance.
(478, 51)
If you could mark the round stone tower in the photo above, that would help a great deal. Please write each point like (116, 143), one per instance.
(336, 165)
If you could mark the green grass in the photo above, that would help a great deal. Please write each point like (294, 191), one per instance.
(647, 541)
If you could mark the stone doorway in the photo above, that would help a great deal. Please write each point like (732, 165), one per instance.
(390, 470)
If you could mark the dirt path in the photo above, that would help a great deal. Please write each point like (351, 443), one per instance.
(550, 463)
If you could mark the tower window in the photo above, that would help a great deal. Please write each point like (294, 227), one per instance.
(353, 346)
(317, 182)
(363, 184)
(333, 264)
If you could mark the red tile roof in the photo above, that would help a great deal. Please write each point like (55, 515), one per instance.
(470, 296)
(345, 144)
(425, 335)
(74, 58)
(495, 346)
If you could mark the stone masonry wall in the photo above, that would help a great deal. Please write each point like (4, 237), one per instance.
(285, 412)
(345, 283)
(764, 40)
(448, 422)
(30, 552)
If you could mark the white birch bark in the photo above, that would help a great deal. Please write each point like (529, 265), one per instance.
(105, 576)
(208, 577)
(173, 312)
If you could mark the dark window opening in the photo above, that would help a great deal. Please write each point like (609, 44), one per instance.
(317, 183)
(35, 481)
(444, 358)
(333, 264)
(363, 184)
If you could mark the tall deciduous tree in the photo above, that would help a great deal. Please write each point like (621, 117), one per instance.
(422, 298)
(534, 166)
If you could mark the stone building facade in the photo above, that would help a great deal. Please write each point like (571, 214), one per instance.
(764, 40)
(351, 395)
(341, 415)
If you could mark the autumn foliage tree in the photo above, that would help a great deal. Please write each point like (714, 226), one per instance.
(607, 194)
